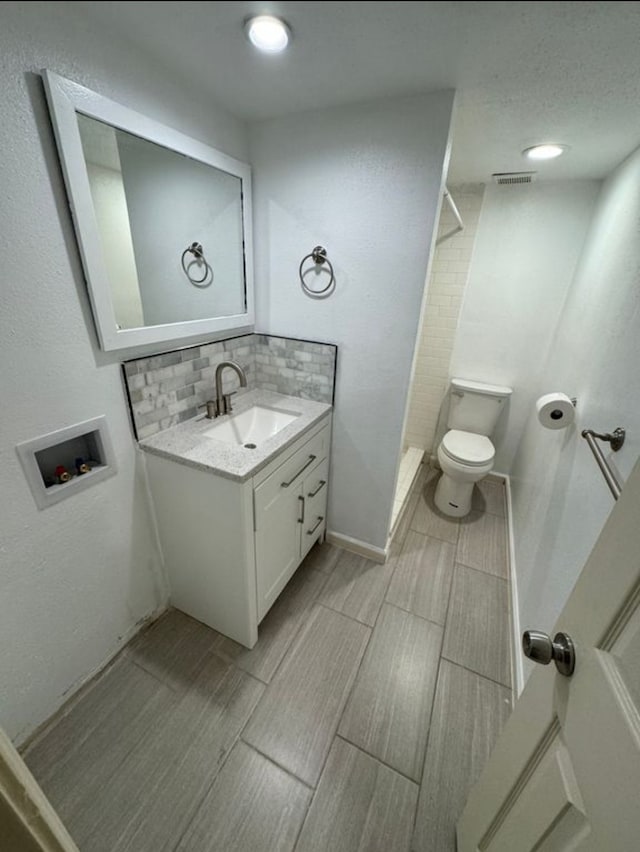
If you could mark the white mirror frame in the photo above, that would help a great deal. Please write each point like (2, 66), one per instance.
(67, 98)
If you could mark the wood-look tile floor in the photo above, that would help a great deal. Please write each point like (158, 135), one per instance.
(358, 723)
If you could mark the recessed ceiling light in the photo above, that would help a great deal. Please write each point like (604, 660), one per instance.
(545, 152)
(268, 33)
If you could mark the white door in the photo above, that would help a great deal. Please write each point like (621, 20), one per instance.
(565, 772)
(28, 823)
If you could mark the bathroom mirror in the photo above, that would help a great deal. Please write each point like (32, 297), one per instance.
(163, 222)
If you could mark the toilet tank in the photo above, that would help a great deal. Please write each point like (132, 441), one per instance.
(475, 406)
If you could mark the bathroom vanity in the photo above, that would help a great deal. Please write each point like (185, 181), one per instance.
(239, 502)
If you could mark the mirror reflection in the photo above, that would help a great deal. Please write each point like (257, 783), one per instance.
(170, 227)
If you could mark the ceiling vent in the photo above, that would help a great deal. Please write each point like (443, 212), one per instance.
(513, 178)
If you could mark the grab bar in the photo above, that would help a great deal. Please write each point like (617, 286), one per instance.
(616, 439)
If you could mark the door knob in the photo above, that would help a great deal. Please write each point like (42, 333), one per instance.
(538, 647)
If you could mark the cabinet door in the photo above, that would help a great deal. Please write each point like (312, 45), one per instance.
(314, 490)
(278, 519)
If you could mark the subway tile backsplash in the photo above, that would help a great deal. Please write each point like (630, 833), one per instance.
(166, 389)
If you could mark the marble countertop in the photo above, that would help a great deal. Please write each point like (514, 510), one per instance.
(186, 442)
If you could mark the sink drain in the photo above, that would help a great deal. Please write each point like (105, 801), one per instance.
(250, 446)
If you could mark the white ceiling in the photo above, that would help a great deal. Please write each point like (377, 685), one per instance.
(525, 72)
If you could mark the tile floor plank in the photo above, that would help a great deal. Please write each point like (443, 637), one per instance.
(79, 756)
(360, 806)
(477, 630)
(299, 713)
(422, 574)
(490, 496)
(278, 627)
(483, 543)
(428, 520)
(172, 648)
(323, 557)
(150, 801)
(253, 805)
(388, 712)
(357, 587)
(469, 712)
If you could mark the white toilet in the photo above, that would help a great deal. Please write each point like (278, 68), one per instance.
(465, 453)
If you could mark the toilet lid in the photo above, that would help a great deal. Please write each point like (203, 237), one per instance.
(467, 447)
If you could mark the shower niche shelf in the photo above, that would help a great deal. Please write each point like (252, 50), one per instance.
(40, 457)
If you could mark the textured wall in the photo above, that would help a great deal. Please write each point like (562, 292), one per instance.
(445, 291)
(560, 499)
(528, 242)
(76, 577)
(365, 182)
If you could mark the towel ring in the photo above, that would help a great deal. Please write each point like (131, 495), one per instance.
(319, 256)
(198, 254)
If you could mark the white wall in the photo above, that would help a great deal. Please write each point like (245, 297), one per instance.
(76, 577)
(445, 291)
(110, 205)
(191, 202)
(527, 245)
(560, 499)
(364, 182)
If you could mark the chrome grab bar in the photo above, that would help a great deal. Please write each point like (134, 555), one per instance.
(616, 439)
(293, 478)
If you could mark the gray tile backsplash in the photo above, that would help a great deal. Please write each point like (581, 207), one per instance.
(166, 389)
(295, 367)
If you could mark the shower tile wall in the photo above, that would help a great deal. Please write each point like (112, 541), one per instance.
(167, 389)
(447, 280)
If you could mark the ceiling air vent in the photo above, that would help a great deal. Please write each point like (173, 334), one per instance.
(513, 178)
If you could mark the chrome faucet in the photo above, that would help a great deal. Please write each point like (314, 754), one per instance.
(222, 403)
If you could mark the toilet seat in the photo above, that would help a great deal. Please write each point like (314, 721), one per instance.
(468, 448)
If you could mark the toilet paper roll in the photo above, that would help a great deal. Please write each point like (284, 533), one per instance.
(555, 411)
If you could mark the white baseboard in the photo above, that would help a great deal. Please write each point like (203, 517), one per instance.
(376, 554)
(517, 670)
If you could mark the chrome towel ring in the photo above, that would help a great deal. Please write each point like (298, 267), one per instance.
(319, 256)
(198, 257)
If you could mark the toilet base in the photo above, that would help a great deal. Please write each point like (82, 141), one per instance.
(453, 498)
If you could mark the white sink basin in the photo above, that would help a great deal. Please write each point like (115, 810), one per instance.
(252, 426)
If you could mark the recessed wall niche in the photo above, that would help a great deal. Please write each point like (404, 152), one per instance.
(62, 463)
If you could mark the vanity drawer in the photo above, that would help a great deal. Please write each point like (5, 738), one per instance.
(315, 506)
(299, 462)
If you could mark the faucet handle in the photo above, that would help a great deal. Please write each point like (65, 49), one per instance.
(227, 402)
(212, 408)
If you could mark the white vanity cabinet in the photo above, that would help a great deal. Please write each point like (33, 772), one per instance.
(290, 510)
(230, 547)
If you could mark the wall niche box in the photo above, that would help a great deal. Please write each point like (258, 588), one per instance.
(41, 456)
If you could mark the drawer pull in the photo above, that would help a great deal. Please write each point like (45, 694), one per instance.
(293, 478)
(301, 518)
(318, 489)
(311, 531)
